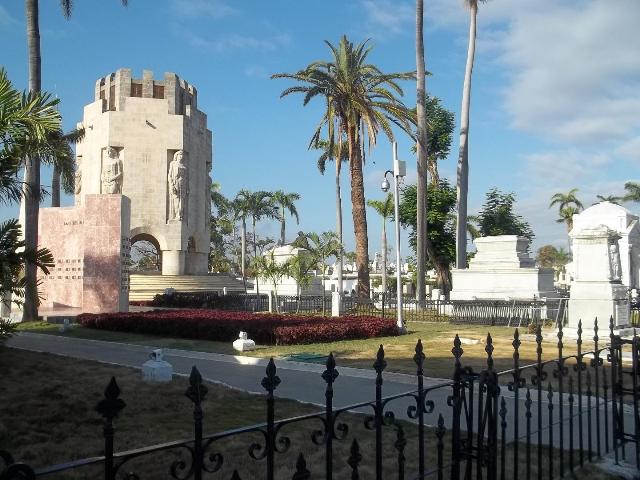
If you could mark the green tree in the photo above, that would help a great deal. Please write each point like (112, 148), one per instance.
(260, 206)
(360, 102)
(568, 205)
(241, 207)
(32, 161)
(331, 153)
(440, 227)
(299, 268)
(285, 202)
(633, 192)
(321, 247)
(463, 154)
(266, 266)
(384, 208)
(498, 218)
(549, 256)
(26, 122)
(609, 198)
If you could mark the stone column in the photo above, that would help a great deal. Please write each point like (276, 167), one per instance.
(173, 262)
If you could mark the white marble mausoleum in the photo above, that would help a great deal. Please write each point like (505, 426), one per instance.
(146, 139)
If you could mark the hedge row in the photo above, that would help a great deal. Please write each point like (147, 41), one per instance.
(224, 326)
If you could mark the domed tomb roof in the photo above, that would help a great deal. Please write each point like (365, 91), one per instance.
(614, 216)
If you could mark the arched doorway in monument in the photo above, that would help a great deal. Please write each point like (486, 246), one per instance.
(146, 255)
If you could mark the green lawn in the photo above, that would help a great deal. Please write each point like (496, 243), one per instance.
(437, 339)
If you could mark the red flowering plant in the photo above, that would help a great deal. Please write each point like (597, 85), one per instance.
(223, 326)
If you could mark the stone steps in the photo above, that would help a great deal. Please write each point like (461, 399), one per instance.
(145, 287)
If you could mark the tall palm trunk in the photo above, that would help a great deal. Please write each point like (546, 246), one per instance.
(255, 254)
(55, 187)
(463, 156)
(32, 168)
(339, 225)
(384, 258)
(421, 220)
(243, 253)
(282, 227)
(359, 212)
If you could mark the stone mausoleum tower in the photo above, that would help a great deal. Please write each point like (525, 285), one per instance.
(147, 140)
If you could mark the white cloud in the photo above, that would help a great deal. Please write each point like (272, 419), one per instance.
(237, 42)
(630, 149)
(6, 20)
(215, 9)
(390, 17)
(574, 70)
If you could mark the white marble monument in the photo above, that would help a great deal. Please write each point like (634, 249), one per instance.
(502, 269)
(625, 225)
(146, 139)
(597, 290)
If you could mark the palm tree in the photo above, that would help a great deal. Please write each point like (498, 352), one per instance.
(26, 122)
(360, 102)
(566, 216)
(63, 160)
(320, 247)
(385, 210)
(331, 154)
(260, 206)
(285, 202)
(422, 138)
(609, 198)
(568, 206)
(463, 154)
(633, 192)
(32, 162)
(242, 209)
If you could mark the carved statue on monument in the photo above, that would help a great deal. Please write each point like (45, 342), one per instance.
(178, 186)
(77, 181)
(112, 172)
(614, 261)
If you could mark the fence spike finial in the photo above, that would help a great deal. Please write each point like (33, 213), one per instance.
(489, 349)
(271, 381)
(330, 374)
(419, 357)
(111, 404)
(579, 341)
(301, 469)
(380, 364)
(196, 391)
(457, 349)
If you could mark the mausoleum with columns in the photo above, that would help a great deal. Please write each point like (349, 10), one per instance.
(146, 139)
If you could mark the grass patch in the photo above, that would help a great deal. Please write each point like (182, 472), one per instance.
(48, 417)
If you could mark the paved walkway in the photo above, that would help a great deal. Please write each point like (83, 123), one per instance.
(299, 381)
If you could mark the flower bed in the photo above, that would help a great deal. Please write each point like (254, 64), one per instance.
(223, 326)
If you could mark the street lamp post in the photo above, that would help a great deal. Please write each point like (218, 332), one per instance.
(399, 170)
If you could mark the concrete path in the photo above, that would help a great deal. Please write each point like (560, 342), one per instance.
(303, 381)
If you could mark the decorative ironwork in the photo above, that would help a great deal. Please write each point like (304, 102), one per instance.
(479, 431)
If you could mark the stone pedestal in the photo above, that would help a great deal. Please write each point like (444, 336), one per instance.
(173, 262)
(336, 304)
(596, 290)
(91, 247)
(502, 268)
(243, 343)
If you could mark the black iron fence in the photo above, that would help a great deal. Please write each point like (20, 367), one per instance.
(542, 420)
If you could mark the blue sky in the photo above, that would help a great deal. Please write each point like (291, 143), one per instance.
(555, 88)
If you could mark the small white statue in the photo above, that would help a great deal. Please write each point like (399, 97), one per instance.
(156, 369)
(614, 259)
(112, 172)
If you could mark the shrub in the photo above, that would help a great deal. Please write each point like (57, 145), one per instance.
(7, 329)
(224, 326)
